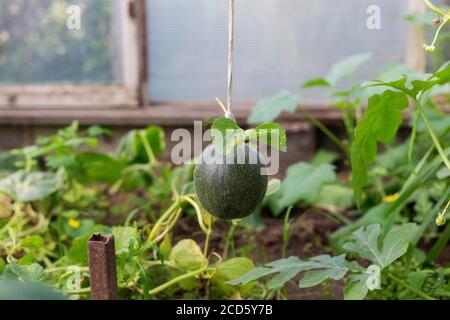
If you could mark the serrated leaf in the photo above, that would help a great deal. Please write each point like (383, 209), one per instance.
(366, 243)
(329, 268)
(286, 269)
(413, 84)
(380, 123)
(270, 108)
(303, 182)
(396, 242)
(279, 266)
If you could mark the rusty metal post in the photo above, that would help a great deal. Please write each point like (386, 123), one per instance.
(102, 267)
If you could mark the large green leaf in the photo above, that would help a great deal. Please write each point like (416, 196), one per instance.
(98, 167)
(413, 84)
(30, 186)
(270, 108)
(29, 273)
(132, 145)
(303, 182)
(394, 245)
(232, 269)
(381, 121)
(12, 289)
(319, 269)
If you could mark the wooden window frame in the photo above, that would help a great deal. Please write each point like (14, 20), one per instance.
(130, 103)
(125, 95)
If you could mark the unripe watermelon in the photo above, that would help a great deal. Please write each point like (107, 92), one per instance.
(228, 189)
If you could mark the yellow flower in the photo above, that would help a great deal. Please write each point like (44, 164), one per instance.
(74, 223)
(391, 198)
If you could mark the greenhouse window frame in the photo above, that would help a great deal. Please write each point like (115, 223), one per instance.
(113, 104)
(92, 96)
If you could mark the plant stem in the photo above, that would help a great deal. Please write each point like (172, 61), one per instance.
(161, 219)
(325, 130)
(410, 288)
(198, 211)
(286, 234)
(176, 280)
(228, 240)
(208, 236)
(433, 8)
(430, 217)
(435, 139)
(439, 245)
(148, 148)
(412, 139)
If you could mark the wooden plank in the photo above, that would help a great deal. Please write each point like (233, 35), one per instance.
(415, 55)
(66, 96)
(163, 114)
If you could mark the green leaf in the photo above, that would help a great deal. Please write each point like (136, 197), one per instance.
(29, 273)
(155, 138)
(272, 134)
(380, 123)
(285, 267)
(11, 289)
(324, 267)
(346, 67)
(131, 146)
(125, 238)
(323, 156)
(30, 186)
(314, 83)
(396, 242)
(413, 84)
(225, 134)
(303, 182)
(329, 268)
(270, 108)
(357, 288)
(232, 269)
(32, 242)
(366, 243)
(187, 255)
(273, 186)
(98, 167)
(335, 196)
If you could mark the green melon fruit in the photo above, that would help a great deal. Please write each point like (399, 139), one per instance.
(227, 188)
